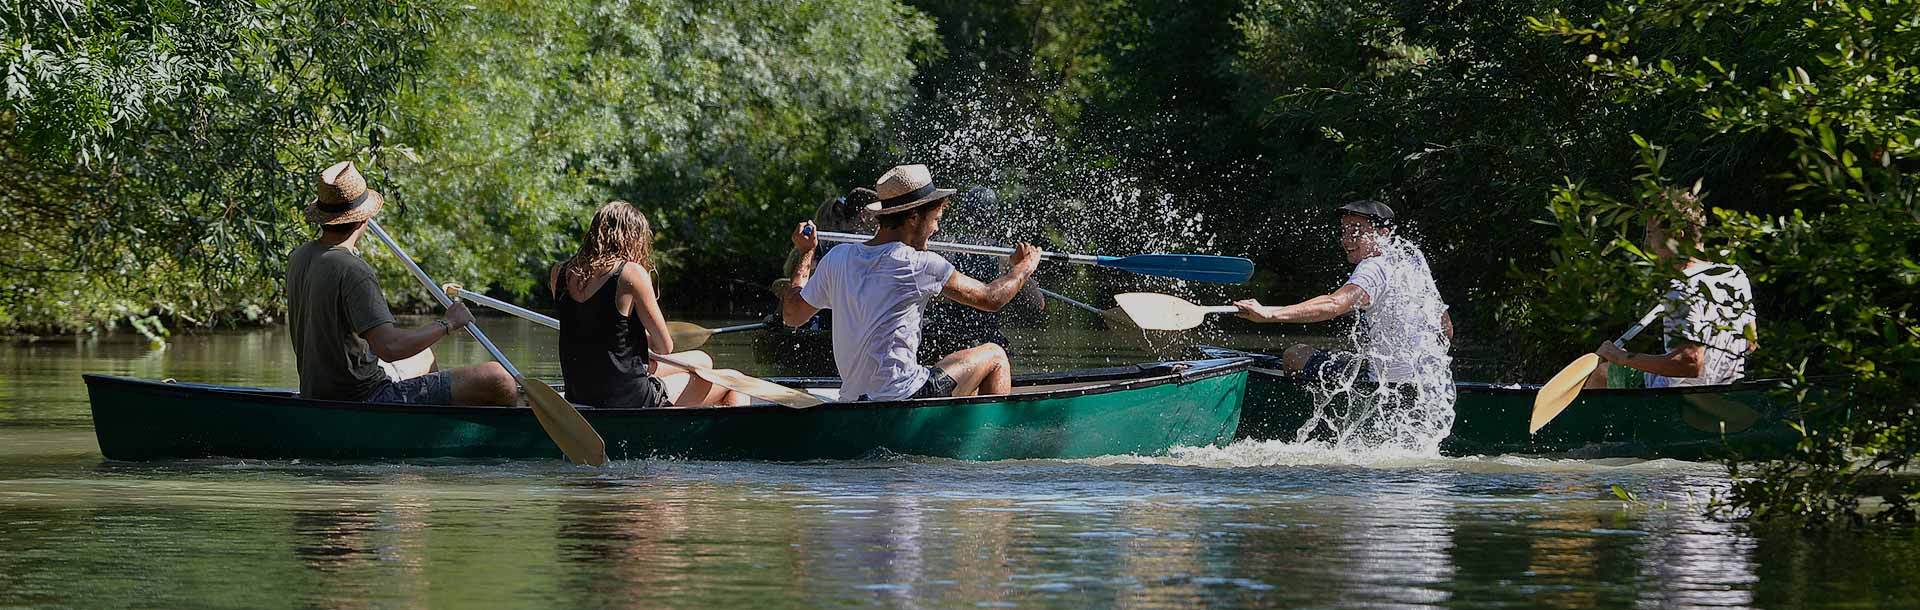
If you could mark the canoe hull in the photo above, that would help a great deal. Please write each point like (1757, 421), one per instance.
(1146, 415)
(1491, 419)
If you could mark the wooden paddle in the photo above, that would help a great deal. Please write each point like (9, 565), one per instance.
(751, 386)
(1566, 385)
(1196, 267)
(686, 335)
(1154, 311)
(563, 423)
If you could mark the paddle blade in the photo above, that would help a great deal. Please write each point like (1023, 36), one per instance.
(1153, 311)
(688, 336)
(564, 423)
(760, 388)
(1195, 267)
(1560, 391)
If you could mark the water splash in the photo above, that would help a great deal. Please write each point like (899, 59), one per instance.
(1398, 394)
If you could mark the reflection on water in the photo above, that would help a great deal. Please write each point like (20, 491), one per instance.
(1257, 524)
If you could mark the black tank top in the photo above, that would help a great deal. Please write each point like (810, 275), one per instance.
(603, 355)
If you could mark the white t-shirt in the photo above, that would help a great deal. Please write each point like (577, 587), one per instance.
(878, 295)
(1713, 308)
(1401, 333)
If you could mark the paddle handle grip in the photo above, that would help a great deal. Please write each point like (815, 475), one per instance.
(1069, 300)
(947, 246)
(1639, 326)
(1219, 309)
(440, 295)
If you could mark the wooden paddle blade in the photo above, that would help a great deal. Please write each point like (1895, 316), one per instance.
(688, 336)
(1560, 391)
(564, 423)
(760, 388)
(1153, 311)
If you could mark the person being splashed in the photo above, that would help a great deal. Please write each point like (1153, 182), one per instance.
(1400, 341)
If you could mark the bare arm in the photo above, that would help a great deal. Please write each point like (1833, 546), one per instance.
(795, 311)
(393, 344)
(1029, 296)
(636, 295)
(1317, 309)
(993, 296)
(1686, 361)
(1446, 324)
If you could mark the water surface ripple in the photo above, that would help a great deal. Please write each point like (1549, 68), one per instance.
(1257, 524)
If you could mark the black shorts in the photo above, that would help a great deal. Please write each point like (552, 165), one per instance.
(1328, 366)
(435, 388)
(939, 385)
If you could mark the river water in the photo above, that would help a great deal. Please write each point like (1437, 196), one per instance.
(1256, 524)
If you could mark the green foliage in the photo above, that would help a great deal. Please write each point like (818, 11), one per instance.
(157, 151)
(726, 122)
(1837, 274)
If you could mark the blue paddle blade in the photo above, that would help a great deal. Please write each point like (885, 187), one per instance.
(1195, 267)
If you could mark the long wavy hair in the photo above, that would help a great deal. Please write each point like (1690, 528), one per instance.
(619, 233)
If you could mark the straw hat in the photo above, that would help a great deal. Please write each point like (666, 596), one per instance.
(344, 197)
(906, 187)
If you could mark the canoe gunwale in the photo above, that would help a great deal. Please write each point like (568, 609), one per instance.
(1144, 375)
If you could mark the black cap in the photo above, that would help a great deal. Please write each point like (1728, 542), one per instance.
(1379, 212)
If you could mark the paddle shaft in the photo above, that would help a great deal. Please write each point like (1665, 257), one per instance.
(1069, 300)
(548, 321)
(440, 295)
(947, 246)
(1638, 326)
(739, 328)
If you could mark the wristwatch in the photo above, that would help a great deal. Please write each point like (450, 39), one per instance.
(445, 326)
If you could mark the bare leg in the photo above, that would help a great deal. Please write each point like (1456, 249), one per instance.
(694, 357)
(692, 391)
(484, 384)
(981, 369)
(686, 389)
(1598, 378)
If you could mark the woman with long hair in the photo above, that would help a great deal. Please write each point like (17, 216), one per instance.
(610, 318)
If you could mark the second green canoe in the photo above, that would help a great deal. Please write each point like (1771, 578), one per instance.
(1691, 423)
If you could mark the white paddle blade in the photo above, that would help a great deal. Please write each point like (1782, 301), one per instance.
(1154, 311)
(760, 388)
(687, 336)
(564, 424)
(1560, 391)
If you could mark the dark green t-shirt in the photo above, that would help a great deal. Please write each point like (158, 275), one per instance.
(332, 297)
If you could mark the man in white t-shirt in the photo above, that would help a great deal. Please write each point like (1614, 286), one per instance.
(1405, 327)
(878, 292)
(1708, 321)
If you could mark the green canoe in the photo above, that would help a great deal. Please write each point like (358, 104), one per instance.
(1691, 423)
(1145, 409)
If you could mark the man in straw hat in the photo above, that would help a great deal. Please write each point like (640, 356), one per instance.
(341, 328)
(878, 292)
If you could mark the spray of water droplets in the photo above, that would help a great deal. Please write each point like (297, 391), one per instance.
(1399, 393)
